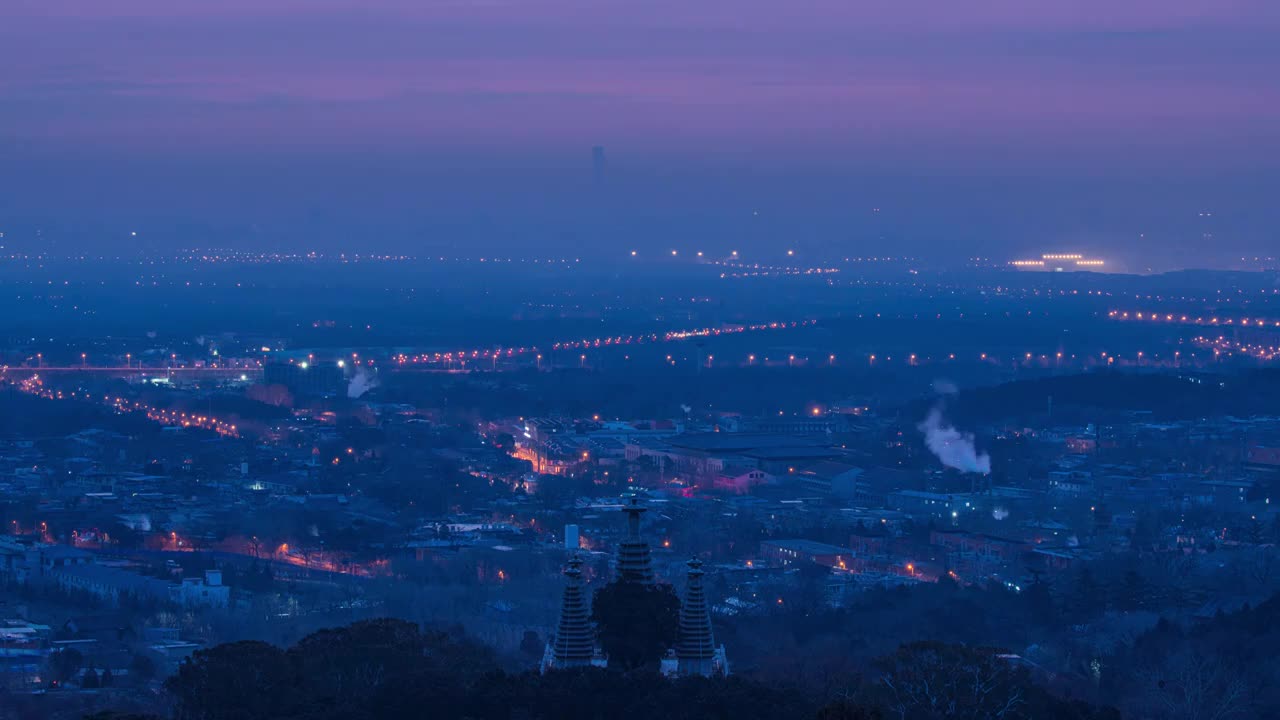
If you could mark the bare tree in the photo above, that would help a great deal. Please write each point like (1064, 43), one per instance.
(1190, 686)
(934, 680)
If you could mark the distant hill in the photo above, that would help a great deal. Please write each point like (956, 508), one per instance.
(1095, 396)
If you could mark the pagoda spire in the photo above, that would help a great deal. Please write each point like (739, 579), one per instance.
(634, 562)
(575, 642)
(696, 652)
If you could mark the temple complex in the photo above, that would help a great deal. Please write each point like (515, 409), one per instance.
(574, 643)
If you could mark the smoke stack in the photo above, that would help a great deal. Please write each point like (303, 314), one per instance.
(362, 382)
(955, 449)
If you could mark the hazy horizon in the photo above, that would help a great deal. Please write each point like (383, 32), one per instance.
(996, 129)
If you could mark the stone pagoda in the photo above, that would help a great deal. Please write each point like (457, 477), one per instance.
(696, 652)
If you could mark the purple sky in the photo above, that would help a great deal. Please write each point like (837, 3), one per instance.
(1082, 88)
(1195, 74)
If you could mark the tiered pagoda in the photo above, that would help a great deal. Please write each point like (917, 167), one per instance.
(574, 644)
(634, 561)
(696, 651)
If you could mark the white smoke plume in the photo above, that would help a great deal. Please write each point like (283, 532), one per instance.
(945, 387)
(362, 382)
(954, 448)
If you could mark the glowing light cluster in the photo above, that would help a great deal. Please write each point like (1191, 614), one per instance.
(744, 270)
(1058, 260)
(35, 386)
(1183, 319)
(1223, 346)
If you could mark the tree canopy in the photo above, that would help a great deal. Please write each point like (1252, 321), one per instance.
(636, 623)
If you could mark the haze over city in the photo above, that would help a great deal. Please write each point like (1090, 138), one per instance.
(560, 360)
(990, 127)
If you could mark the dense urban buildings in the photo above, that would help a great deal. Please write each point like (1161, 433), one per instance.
(718, 495)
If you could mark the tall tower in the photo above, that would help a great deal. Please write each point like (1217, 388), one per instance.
(597, 165)
(634, 563)
(696, 652)
(575, 642)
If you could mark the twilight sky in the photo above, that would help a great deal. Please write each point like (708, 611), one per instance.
(235, 122)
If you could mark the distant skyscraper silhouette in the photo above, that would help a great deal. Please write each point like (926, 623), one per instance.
(597, 164)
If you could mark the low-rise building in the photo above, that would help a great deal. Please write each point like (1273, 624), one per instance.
(800, 552)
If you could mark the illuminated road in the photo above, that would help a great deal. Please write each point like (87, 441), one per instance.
(1185, 319)
(500, 353)
(248, 372)
(35, 386)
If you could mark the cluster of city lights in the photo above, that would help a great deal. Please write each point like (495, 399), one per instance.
(743, 270)
(1223, 346)
(1058, 260)
(321, 560)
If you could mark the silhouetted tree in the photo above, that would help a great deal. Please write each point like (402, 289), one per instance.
(1085, 599)
(1040, 602)
(845, 710)
(636, 623)
(1131, 592)
(531, 646)
(239, 680)
(392, 670)
(937, 681)
(142, 668)
(65, 663)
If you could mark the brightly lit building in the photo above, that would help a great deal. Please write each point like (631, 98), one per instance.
(1059, 262)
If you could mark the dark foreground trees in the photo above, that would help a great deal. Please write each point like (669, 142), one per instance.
(932, 680)
(331, 670)
(390, 669)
